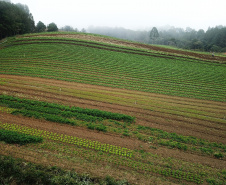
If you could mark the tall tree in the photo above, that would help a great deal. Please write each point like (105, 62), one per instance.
(41, 27)
(67, 28)
(52, 27)
(15, 19)
(154, 34)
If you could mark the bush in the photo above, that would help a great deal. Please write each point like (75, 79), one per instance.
(218, 155)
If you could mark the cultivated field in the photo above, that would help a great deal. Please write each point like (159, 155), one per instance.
(107, 107)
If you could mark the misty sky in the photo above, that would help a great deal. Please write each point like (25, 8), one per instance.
(131, 14)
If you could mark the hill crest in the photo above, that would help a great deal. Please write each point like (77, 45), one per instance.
(131, 44)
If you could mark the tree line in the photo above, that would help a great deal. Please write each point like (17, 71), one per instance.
(16, 19)
(214, 39)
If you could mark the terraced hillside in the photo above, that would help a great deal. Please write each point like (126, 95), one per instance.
(109, 107)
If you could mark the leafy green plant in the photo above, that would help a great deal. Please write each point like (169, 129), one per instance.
(13, 137)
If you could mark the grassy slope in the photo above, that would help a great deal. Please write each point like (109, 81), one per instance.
(107, 65)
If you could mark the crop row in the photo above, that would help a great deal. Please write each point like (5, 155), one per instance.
(95, 145)
(13, 137)
(89, 115)
(106, 46)
(104, 68)
(159, 74)
(154, 85)
(173, 140)
(168, 88)
(159, 77)
(135, 164)
(180, 138)
(6, 110)
(97, 46)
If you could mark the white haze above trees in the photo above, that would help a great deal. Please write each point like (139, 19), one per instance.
(130, 14)
(18, 19)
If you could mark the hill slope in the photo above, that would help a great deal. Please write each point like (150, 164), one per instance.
(60, 57)
(110, 110)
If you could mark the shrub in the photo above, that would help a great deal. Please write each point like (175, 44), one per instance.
(218, 155)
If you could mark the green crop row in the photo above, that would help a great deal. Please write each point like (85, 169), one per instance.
(99, 45)
(102, 67)
(186, 143)
(44, 108)
(13, 137)
(160, 134)
(95, 145)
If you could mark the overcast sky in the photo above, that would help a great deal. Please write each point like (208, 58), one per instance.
(131, 14)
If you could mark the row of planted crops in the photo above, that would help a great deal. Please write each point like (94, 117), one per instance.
(140, 70)
(127, 157)
(107, 122)
(90, 150)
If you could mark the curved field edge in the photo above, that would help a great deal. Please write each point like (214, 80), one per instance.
(127, 43)
(101, 67)
(111, 41)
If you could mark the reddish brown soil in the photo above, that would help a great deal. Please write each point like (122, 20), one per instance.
(137, 45)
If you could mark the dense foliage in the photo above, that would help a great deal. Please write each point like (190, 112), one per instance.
(14, 137)
(15, 19)
(214, 39)
(41, 27)
(52, 27)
